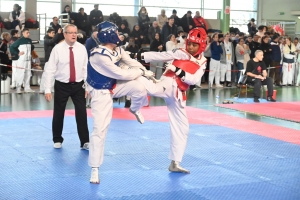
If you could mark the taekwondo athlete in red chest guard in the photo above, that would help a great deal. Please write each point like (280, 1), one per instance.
(185, 67)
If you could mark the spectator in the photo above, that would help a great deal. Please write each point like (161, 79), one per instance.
(168, 28)
(187, 22)
(50, 40)
(253, 45)
(181, 39)
(72, 16)
(132, 47)
(227, 60)
(216, 52)
(17, 17)
(257, 75)
(152, 31)
(36, 64)
(200, 21)
(207, 55)
(162, 19)
(177, 20)
(239, 53)
(261, 32)
(14, 36)
(123, 42)
(54, 24)
(138, 36)
(297, 62)
(267, 50)
(143, 19)
(123, 29)
(289, 51)
(82, 22)
(4, 51)
(96, 16)
(252, 27)
(92, 42)
(275, 60)
(172, 43)
(115, 18)
(156, 45)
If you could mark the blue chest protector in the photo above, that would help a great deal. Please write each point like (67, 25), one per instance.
(97, 80)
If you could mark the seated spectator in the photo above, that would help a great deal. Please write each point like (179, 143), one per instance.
(132, 47)
(240, 51)
(162, 19)
(252, 27)
(72, 16)
(36, 64)
(123, 29)
(4, 59)
(96, 16)
(172, 43)
(82, 21)
(17, 18)
(177, 20)
(200, 21)
(168, 28)
(54, 24)
(138, 36)
(115, 18)
(187, 22)
(144, 20)
(156, 44)
(181, 39)
(256, 71)
(123, 42)
(275, 60)
(153, 30)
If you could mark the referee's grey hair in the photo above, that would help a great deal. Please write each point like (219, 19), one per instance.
(257, 51)
(67, 26)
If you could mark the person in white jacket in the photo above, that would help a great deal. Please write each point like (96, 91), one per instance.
(289, 51)
(107, 80)
(17, 17)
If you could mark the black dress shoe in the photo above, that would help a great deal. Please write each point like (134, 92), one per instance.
(256, 100)
(228, 85)
(127, 103)
(271, 99)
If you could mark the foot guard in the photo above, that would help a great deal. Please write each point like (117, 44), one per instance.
(175, 167)
(95, 176)
(138, 116)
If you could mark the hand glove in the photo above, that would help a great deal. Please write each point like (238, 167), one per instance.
(170, 67)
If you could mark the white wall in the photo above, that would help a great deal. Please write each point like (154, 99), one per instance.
(269, 10)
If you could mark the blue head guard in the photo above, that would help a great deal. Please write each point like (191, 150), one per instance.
(107, 33)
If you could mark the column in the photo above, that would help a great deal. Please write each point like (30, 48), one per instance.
(225, 22)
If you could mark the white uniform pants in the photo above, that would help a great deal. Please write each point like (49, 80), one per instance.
(296, 72)
(156, 68)
(225, 71)
(102, 107)
(13, 71)
(298, 76)
(287, 75)
(214, 72)
(23, 75)
(179, 124)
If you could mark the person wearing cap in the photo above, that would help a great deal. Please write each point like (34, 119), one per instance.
(96, 16)
(187, 22)
(177, 20)
(252, 27)
(162, 19)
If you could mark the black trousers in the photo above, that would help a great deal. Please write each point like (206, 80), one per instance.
(275, 71)
(258, 83)
(206, 73)
(61, 95)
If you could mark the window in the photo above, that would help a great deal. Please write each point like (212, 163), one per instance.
(7, 5)
(214, 4)
(247, 5)
(240, 19)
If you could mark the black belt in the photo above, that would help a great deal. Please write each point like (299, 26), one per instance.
(71, 83)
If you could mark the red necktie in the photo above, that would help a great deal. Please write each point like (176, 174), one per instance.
(72, 67)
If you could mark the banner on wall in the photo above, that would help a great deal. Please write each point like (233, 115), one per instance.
(227, 10)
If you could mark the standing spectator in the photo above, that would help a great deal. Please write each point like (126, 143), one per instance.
(92, 42)
(162, 19)
(115, 18)
(123, 29)
(266, 48)
(156, 45)
(227, 60)
(261, 32)
(297, 55)
(252, 27)
(96, 16)
(4, 51)
(17, 17)
(68, 66)
(207, 55)
(257, 74)
(82, 22)
(177, 20)
(143, 19)
(200, 21)
(21, 51)
(216, 52)
(172, 43)
(275, 60)
(14, 37)
(289, 51)
(137, 34)
(54, 24)
(253, 45)
(153, 30)
(72, 16)
(168, 28)
(187, 22)
(239, 53)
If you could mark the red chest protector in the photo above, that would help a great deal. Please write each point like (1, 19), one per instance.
(187, 66)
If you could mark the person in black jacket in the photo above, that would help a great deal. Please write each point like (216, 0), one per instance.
(137, 34)
(253, 45)
(187, 22)
(123, 29)
(252, 27)
(115, 18)
(96, 16)
(177, 20)
(267, 50)
(54, 24)
(156, 44)
(4, 51)
(72, 15)
(50, 40)
(168, 28)
(276, 58)
(82, 21)
(153, 30)
(143, 19)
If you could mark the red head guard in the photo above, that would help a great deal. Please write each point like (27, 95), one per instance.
(197, 35)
